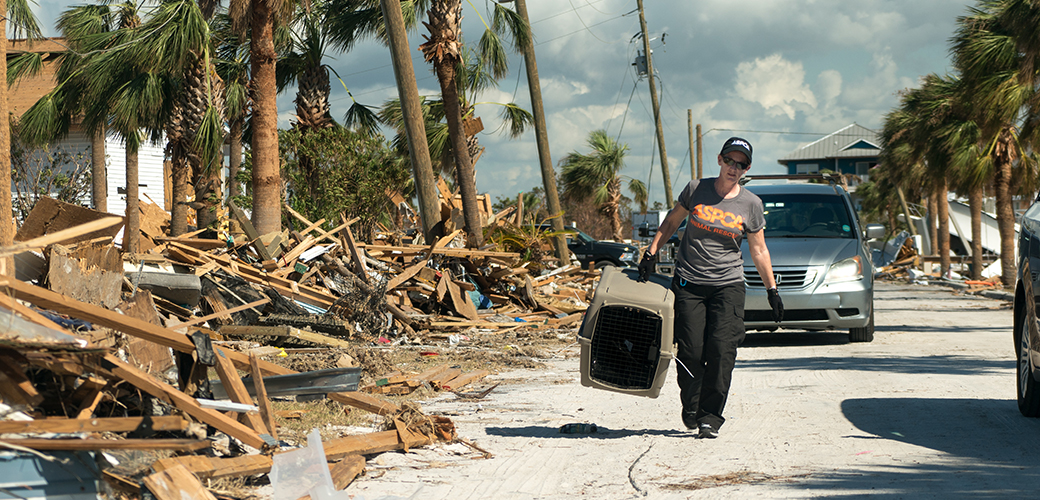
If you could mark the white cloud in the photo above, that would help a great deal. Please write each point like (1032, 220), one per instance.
(775, 83)
(829, 84)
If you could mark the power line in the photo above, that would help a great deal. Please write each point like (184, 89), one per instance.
(567, 11)
(627, 107)
(582, 21)
(668, 95)
(616, 101)
(587, 2)
(579, 31)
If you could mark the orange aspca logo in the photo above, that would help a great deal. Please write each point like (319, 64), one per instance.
(710, 214)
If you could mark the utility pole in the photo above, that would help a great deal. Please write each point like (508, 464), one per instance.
(689, 126)
(700, 156)
(552, 196)
(657, 109)
(418, 149)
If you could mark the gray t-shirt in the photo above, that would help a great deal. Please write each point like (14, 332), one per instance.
(709, 253)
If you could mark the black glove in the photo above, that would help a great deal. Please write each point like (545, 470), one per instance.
(647, 265)
(776, 304)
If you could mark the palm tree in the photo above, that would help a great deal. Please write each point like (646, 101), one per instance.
(597, 175)
(996, 51)
(971, 169)
(515, 119)
(346, 22)
(258, 18)
(233, 67)
(909, 149)
(443, 48)
(132, 95)
(52, 116)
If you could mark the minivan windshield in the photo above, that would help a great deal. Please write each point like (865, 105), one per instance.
(806, 216)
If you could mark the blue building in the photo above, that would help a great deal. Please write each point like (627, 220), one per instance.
(851, 150)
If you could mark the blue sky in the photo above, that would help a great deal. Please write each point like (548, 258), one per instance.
(781, 72)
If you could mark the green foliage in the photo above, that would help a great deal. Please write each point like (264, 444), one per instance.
(534, 204)
(56, 173)
(354, 174)
(532, 243)
(245, 178)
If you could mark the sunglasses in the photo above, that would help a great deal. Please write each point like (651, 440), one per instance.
(730, 162)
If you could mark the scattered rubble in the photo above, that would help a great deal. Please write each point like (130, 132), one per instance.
(900, 259)
(186, 352)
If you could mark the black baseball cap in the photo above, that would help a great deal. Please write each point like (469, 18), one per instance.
(737, 144)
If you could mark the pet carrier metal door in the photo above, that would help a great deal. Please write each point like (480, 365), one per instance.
(626, 337)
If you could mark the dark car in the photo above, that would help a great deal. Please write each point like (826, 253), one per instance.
(1026, 331)
(600, 253)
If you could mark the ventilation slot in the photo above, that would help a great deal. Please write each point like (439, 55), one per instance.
(626, 346)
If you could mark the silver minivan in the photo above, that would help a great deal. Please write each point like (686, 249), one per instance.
(820, 260)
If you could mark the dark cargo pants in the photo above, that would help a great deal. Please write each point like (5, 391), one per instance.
(709, 325)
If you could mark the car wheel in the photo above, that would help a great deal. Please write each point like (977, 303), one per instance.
(1028, 390)
(604, 263)
(865, 334)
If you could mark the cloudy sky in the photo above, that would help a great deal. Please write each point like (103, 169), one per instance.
(780, 73)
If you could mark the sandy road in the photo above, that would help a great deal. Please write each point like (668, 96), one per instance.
(927, 410)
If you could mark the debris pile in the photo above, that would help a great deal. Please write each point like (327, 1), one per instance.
(115, 351)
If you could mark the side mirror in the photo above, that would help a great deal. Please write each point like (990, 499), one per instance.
(875, 231)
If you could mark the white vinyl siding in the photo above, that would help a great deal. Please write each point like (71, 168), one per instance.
(150, 168)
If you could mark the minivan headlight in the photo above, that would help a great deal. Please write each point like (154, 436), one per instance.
(845, 270)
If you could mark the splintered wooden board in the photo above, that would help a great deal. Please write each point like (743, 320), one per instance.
(177, 483)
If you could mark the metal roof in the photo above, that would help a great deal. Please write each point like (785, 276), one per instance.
(853, 141)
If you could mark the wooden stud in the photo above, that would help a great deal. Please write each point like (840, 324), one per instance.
(236, 389)
(15, 386)
(284, 331)
(464, 380)
(115, 424)
(109, 444)
(86, 409)
(344, 471)
(226, 312)
(182, 401)
(266, 412)
(176, 483)
(47, 299)
(355, 253)
(365, 402)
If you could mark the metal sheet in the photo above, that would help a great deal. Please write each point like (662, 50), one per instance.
(313, 382)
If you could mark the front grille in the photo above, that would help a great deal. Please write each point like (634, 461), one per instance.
(626, 346)
(789, 315)
(786, 278)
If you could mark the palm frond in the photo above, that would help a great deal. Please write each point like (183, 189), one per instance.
(24, 65)
(510, 21)
(210, 137)
(391, 114)
(362, 119)
(83, 20)
(639, 193)
(517, 118)
(44, 121)
(492, 55)
(22, 21)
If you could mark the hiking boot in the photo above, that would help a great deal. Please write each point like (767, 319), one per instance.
(706, 431)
